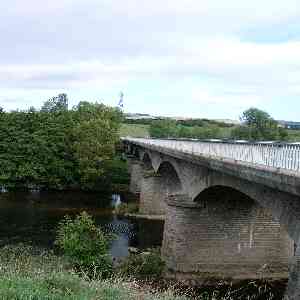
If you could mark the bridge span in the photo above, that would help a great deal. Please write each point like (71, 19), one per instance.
(232, 211)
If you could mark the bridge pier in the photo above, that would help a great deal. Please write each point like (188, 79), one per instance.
(293, 289)
(207, 240)
(135, 167)
(153, 193)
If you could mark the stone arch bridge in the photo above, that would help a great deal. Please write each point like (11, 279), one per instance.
(232, 211)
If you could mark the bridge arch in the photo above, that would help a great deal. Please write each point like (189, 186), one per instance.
(147, 161)
(285, 208)
(219, 193)
(136, 152)
(231, 203)
(226, 234)
(170, 178)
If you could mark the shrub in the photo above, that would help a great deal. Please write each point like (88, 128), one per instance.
(147, 265)
(127, 208)
(84, 244)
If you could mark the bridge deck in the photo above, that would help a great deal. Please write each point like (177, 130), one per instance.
(271, 155)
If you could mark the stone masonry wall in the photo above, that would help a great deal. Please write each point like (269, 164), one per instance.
(225, 240)
(136, 170)
(152, 196)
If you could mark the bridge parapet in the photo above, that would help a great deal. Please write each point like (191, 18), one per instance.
(282, 156)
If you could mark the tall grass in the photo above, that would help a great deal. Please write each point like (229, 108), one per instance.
(27, 273)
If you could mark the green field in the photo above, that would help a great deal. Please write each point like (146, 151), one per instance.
(142, 130)
(135, 130)
(294, 135)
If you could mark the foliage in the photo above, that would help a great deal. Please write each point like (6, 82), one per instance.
(55, 104)
(147, 265)
(127, 208)
(28, 260)
(208, 132)
(135, 130)
(29, 273)
(169, 128)
(57, 148)
(84, 244)
(255, 117)
(258, 125)
(115, 171)
(139, 121)
(294, 135)
(183, 122)
(163, 128)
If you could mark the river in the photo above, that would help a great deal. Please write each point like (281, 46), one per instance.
(32, 218)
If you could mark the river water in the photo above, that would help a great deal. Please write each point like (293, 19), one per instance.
(32, 217)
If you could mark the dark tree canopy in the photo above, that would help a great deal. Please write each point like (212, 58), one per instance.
(56, 147)
(257, 118)
(258, 125)
(57, 103)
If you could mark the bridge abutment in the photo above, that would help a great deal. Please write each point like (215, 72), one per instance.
(153, 193)
(210, 240)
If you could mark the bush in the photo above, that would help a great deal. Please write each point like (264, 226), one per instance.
(84, 244)
(147, 265)
(127, 208)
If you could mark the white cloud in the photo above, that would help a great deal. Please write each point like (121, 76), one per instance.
(92, 44)
(226, 59)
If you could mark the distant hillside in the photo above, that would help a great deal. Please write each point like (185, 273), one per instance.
(139, 118)
(135, 130)
(140, 125)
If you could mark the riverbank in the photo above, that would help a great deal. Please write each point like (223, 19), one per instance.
(33, 273)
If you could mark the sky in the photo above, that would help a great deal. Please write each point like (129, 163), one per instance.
(200, 58)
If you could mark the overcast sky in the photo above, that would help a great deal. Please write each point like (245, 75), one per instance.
(200, 58)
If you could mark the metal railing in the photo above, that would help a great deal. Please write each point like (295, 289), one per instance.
(284, 156)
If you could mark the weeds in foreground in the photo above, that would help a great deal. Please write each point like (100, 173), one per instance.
(27, 273)
(146, 265)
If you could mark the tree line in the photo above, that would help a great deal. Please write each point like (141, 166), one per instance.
(256, 125)
(59, 148)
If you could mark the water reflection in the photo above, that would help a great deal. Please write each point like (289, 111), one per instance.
(32, 217)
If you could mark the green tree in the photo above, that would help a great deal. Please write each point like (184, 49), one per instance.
(57, 103)
(258, 125)
(163, 128)
(254, 117)
(183, 131)
(58, 148)
(206, 132)
(95, 137)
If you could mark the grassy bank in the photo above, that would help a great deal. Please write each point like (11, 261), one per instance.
(28, 273)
